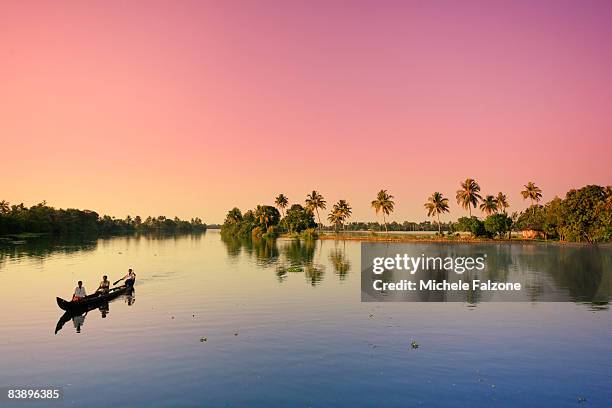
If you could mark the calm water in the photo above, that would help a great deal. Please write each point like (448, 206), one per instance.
(279, 338)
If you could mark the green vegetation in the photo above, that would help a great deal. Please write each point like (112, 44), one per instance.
(502, 202)
(489, 205)
(265, 221)
(340, 212)
(260, 222)
(281, 203)
(41, 218)
(384, 203)
(314, 201)
(532, 192)
(396, 226)
(472, 225)
(468, 195)
(585, 215)
(436, 205)
(498, 224)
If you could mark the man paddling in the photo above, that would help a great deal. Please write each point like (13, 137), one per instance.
(104, 285)
(130, 278)
(79, 292)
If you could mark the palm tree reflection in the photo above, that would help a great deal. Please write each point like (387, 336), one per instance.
(340, 263)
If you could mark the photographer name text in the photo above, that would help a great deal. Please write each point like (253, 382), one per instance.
(434, 285)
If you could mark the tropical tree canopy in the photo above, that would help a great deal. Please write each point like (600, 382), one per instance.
(233, 216)
(42, 218)
(266, 216)
(281, 202)
(335, 219)
(498, 224)
(340, 212)
(502, 202)
(344, 209)
(314, 201)
(436, 205)
(384, 203)
(489, 205)
(4, 207)
(532, 192)
(468, 195)
(298, 219)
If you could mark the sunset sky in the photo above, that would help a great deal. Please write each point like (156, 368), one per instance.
(191, 108)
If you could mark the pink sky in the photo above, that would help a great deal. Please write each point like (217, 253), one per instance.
(190, 108)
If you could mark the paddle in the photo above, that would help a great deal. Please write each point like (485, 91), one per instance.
(116, 282)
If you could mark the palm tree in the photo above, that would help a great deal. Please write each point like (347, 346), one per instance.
(343, 208)
(262, 216)
(335, 218)
(4, 207)
(384, 203)
(502, 202)
(234, 216)
(489, 205)
(533, 192)
(437, 204)
(281, 203)
(314, 201)
(468, 196)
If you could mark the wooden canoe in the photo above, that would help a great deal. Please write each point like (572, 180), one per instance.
(90, 301)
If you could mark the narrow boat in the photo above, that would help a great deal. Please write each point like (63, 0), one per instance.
(90, 301)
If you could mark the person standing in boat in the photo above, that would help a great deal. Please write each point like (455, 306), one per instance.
(104, 285)
(130, 278)
(79, 292)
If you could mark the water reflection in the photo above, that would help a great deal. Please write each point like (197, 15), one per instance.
(78, 317)
(44, 246)
(339, 261)
(512, 346)
(546, 272)
(288, 256)
(263, 250)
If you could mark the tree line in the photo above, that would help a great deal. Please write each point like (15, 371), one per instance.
(41, 218)
(584, 214)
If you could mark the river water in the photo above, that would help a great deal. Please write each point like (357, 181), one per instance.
(214, 322)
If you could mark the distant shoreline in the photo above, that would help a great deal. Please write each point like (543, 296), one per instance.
(465, 240)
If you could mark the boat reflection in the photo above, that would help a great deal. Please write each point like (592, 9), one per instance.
(130, 297)
(78, 317)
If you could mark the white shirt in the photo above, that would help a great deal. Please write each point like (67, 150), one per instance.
(80, 292)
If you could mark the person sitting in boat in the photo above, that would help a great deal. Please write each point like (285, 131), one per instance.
(130, 278)
(104, 285)
(79, 292)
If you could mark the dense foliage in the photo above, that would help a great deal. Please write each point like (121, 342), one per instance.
(265, 221)
(42, 218)
(584, 215)
(498, 224)
(473, 225)
(298, 219)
